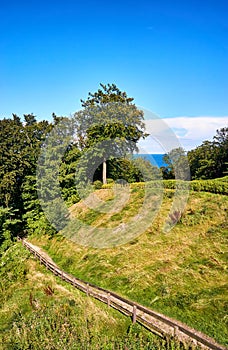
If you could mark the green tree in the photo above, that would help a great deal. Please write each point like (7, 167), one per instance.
(177, 165)
(67, 173)
(11, 161)
(48, 173)
(202, 161)
(221, 143)
(108, 93)
(19, 150)
(34, 218)
(210, 159)
(9, 226)
(109, 114)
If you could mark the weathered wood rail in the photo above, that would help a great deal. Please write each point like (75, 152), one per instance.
(154, 321)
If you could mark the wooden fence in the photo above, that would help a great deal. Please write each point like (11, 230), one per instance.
(154, 321)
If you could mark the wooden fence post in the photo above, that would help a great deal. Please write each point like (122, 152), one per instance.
(108, 299)
(176, 331)
(134, 314)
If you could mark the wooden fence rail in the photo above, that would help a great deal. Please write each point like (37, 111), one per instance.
(152, 320)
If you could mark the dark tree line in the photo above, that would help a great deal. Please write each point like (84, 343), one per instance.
(20, 142)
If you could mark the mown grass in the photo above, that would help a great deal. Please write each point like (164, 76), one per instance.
(39, 311)
(182, 273)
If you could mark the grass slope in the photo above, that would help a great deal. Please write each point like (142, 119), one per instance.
(182, 273)
(38, 311)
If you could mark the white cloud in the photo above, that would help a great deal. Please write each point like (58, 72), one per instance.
(187, 132)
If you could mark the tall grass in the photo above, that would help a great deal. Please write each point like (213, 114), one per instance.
(38, 311)
(181, 273)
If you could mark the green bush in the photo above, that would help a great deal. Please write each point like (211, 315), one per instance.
(97, 184)
(108, 186)
(213, 186)
(110, 181)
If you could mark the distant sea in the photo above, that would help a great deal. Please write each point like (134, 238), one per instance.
(155, 159)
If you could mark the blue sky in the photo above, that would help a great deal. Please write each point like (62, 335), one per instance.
(171, 56)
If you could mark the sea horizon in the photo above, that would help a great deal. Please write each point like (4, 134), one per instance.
(155, 158)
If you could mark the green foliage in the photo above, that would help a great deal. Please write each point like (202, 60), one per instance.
(97, 184)
(35, 221)
(210, 160)
(207, 161)
(109, 92)
(19, 148)
(68, 168)
(145, 171)
(110, 181)
(58, 144)
(213, 186)
(130, 170)
(13, 269)
(107, 115)
(177, 165)
(123, 168)
(9, 227)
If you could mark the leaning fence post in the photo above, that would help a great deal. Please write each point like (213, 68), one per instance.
(108, 299)
(134, 314)
(176, 331)
(87, 289)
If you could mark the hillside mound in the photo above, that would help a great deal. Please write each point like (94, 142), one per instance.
(181, 273)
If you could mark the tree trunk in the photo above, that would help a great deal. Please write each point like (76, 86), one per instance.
(104, 175)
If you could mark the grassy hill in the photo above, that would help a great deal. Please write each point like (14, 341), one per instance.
(39, 311)
(182, 273)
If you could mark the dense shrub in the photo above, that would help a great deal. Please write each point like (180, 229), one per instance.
(110, 181)
(97, 184)
(213, 186)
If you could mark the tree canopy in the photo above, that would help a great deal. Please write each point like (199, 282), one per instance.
(109, 114)
(210, 160)
(177, 165)
(207, 161)
(108, 93)
(19, 144)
